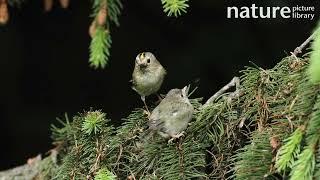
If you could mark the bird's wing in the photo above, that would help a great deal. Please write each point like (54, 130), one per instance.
(134, 74)
(155, 124)
(179, 117)
(134, 84)
(158, 115)
(171, 118)
(180, 110)
(163, 113)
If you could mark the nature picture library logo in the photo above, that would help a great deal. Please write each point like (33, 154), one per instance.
(295, 12)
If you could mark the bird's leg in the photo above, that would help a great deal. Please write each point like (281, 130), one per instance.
(175, 136)
(159, 98)
(143, 98)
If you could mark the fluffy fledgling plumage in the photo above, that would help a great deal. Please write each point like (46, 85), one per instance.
(171, 117)
(314, 67)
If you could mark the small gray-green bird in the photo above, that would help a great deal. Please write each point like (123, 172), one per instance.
(147, 76)
(171, 117)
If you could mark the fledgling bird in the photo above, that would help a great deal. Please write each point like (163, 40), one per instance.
(171, 117)
(147, 76)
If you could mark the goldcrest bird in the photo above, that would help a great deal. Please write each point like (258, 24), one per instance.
(171, 117)
(147, 76)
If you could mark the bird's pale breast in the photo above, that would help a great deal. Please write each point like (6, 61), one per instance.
(146, 83)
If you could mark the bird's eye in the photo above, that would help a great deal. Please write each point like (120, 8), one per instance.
(148, 60)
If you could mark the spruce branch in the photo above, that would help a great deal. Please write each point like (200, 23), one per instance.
(303, 168)
(255, 159)
(234, 82)
(104, 174)
(314, 67)
(35, 168)
(28, 171)
(268, 101)
(303, 164)
(299, 49)
(88, 149)
(99, 48)
(175, 7)
(317, 168)
(214, 146)
(93, 122)
(289, 151)
(111, 10)
(114, 11)
(104, 12)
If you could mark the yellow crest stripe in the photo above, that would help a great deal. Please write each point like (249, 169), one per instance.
(142, 55)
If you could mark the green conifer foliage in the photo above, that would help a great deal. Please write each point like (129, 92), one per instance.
(269, 132)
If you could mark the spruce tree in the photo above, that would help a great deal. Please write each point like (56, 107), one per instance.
(268, 128)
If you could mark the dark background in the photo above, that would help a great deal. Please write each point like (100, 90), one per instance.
(44, 68)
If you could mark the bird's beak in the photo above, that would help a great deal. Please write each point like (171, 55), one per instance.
(185, 91)
(142, 65)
